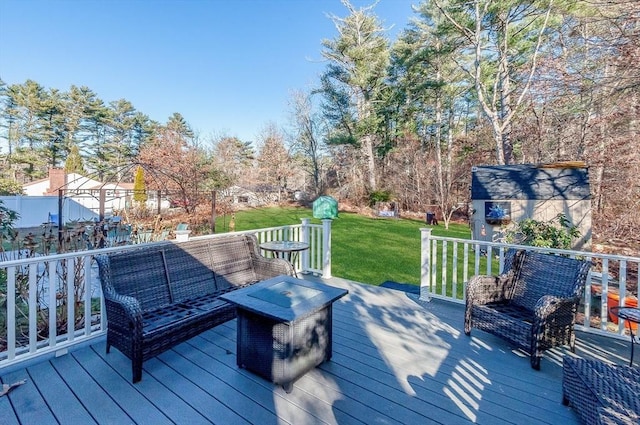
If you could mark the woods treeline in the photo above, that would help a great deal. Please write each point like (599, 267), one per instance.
(464, 83)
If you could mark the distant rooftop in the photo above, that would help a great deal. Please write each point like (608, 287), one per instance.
(564, 180)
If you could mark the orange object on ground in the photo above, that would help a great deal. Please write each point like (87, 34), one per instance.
(614, 299)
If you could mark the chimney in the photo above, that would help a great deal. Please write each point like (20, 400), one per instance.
(57, 180)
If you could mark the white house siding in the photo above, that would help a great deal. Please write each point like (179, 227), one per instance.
(74, 181)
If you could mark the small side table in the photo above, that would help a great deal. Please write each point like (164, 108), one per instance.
(287, 250)
(630, 314)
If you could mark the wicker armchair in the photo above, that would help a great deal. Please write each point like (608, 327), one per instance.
(532, 304)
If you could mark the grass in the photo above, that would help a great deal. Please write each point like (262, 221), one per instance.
(364, 249)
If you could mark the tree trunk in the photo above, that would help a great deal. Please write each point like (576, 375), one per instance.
(370, 161)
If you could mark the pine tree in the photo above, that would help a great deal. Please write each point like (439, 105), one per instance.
(358, 59)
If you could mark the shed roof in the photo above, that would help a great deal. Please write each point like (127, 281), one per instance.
(528, 181)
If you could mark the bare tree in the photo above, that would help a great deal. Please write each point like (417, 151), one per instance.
(306, 138)
(274, 161)
(506, 38)
(171, 163)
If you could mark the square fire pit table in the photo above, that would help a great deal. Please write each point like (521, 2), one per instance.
(284, 327)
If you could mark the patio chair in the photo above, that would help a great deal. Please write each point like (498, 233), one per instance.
(601, 393)
(532, 304)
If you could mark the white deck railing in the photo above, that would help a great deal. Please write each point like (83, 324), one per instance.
(315, 260)
(29, 286)
(448, 263)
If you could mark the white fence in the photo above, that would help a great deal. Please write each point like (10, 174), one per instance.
(448, 263)
(69, 282)
(33, 211)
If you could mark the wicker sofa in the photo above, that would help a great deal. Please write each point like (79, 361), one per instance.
(532, 304)
(601, 393)
(162, 294)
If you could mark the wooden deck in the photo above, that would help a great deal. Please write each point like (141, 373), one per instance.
(395, 361)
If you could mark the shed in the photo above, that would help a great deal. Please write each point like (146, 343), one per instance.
(501, 194)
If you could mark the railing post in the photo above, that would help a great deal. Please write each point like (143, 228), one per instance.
(425, 264)
(326, 248)
(305, 239)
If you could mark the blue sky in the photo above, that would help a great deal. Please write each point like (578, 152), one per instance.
(228, 66)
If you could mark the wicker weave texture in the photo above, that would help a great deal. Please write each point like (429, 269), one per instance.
(161, 295)
(602, 393)
(283, 351)
(533, 305)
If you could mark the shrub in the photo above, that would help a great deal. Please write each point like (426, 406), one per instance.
(379, 196)
(7, 218)
(555, 233)
(10, 187)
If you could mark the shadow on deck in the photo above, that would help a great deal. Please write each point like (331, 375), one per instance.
(396, 360)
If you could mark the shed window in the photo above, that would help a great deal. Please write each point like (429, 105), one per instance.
(497, 213)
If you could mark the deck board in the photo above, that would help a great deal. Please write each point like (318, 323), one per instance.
(26, 401)
(166, 401)
(512, 391)
(61, 399)
(118, 387)
(396, 360)
(88, 392)
(8, 415)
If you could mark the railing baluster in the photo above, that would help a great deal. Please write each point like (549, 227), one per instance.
(85, 263)
(443, 273)
(11, 312)
(465, 268)
(477, 260)
(321, 238)
(605, 294)
(33, 307)
(434, 261)
(319, 253)
(71, 297)
(53, 301)
(588, 299)
(622, 291)
(454, 270)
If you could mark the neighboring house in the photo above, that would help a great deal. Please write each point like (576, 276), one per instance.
(251, 197)
(58, 179)
(83, 190)
(89, 198)
(501, 194)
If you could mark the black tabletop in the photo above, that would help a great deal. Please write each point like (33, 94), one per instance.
(285, 298)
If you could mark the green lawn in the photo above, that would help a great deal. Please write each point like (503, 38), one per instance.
(364, 249)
